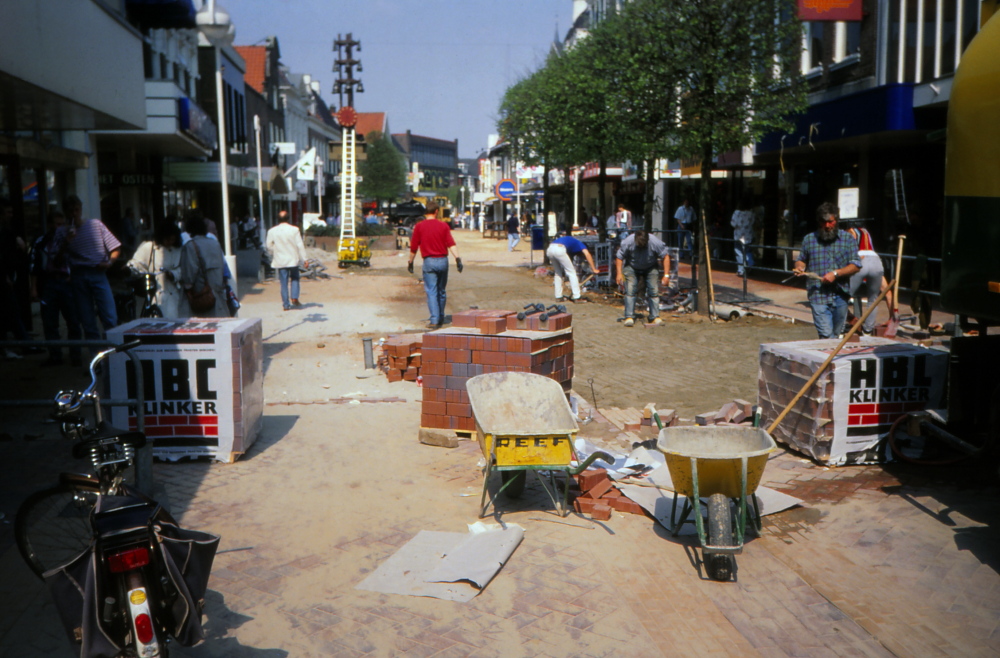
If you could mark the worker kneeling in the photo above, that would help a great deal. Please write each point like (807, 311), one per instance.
(640, 258)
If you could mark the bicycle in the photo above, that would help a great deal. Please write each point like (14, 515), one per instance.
(95, 532)
(144, 284)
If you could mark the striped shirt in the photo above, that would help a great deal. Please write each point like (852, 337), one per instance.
(92, 245)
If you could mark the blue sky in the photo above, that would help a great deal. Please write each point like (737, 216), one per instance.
(437, 67)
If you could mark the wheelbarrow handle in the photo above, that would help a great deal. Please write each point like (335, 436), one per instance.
(590, 460)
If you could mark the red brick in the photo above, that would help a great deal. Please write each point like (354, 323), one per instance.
(515, 359)
(459, 409)
(627, 506)
(599, 489)
(459, 356)
(590, 477)
(492, 326)
(429, 394)
(584, 505)
(466, 319)
(434, 354)
(629, 427)
(455, 383)
(435, 408)
(416, 360)
(394, 375)
(600, 512)
(411, 374)
(611, 494)
(435, 381)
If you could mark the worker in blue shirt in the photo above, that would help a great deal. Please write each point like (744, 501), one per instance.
(561, 252)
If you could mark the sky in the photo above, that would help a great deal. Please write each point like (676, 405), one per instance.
(438, 68)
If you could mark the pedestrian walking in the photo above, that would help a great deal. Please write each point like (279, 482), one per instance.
(434, 240)
(50, 286)
(623, 217)
(284, 244)
(91, 249)
(513, 232)
(560, 253)
(685, 220)
(639, 259)
(203, 267)
(833, 256)
(743, 223)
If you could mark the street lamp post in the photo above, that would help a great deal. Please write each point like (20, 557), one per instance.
(215, 24)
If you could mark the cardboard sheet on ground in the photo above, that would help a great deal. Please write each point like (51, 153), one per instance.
(658, 502)
(446, 565)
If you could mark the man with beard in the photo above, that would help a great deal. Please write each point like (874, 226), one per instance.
(832, 257)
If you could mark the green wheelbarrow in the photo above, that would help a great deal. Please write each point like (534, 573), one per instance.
(524, 423)
(722, 464)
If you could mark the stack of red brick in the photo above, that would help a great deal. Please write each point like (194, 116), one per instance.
(481, 342)
(598, 496)
(732, 413)
(400, 358)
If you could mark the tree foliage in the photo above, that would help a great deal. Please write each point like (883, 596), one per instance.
(383, 172)
(661, 79)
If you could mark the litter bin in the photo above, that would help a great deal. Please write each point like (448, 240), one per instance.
(537, 238)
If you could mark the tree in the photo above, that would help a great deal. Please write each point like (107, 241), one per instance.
(383, 172)
(738, 78)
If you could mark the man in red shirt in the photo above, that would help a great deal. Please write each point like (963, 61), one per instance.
(434, 240)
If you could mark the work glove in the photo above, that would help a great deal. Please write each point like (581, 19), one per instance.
(458, 265)
(409, 267)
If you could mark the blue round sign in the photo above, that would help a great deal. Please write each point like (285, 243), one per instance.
(506, 188)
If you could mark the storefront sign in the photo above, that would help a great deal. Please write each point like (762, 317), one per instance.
(129, 179)
(203, 383)
(830, 10)
(196, 123)
(505, 189)
(848, 199)
(690, 166)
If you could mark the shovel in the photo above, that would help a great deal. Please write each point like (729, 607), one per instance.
(893, 325)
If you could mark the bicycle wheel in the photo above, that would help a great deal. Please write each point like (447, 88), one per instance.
(53, 526)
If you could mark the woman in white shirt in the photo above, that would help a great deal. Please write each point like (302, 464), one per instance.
(162, 256)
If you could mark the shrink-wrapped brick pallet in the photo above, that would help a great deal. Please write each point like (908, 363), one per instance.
(484, 341)
(845, 414)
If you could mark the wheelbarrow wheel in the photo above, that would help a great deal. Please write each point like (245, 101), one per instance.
(720, 533)
(516, 486)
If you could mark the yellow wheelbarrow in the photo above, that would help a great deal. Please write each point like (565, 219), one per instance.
(722, 464)
(524, 423)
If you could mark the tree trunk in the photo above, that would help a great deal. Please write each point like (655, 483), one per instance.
(602, 223)
(545, 212)
(568, 219)
(647, 210)
(702, 225)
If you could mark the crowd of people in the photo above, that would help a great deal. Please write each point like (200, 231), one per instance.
(68, 268)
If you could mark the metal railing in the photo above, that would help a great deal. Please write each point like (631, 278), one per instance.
(144, 455)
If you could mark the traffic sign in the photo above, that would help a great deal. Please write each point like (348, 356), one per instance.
(506, 188)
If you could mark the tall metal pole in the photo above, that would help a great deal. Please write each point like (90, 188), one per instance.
(260, 177)
(319, 186)
(223, 166)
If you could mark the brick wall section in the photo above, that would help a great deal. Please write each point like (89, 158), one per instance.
(477, 343)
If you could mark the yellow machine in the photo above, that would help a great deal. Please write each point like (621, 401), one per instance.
(354, 251)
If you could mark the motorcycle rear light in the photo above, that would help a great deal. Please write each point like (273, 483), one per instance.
(133, 558)
(144, 628)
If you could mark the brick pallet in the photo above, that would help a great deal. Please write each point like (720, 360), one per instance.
(401, 358)
(480, 342)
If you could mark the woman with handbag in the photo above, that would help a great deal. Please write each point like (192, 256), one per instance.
(202, 266)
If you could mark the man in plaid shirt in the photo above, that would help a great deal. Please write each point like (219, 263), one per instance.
(833, 256)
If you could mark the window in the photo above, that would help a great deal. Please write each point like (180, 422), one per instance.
(147, 60)
(163, 67)
(177, 74)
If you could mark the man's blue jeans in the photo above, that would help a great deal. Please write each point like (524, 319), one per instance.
(57, 297)
(435, 272)
(512, 240)
(687, 242)
(284, 275)
(651, 279)
(829, 317)
(91, 288)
